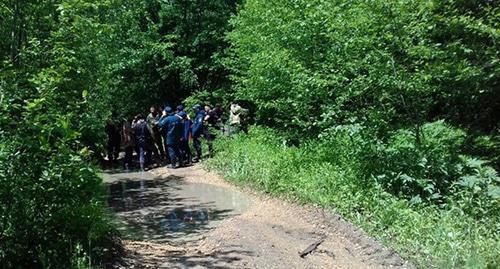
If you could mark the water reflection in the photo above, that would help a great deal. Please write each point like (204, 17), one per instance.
(169, 209)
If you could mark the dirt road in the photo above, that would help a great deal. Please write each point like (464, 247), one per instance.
(265, 233)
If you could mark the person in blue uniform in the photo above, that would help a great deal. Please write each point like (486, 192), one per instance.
(184, 145)
(197, 130)
(180, 108)
(172, 125)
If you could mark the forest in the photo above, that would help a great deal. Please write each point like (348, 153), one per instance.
(387, 112)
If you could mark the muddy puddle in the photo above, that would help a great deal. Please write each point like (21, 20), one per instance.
(168, 209)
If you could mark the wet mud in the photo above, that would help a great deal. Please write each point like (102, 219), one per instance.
(169, 209)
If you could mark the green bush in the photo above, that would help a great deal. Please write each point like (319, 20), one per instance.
(477, 191)
(421, 164)
(50, 194)
(49, 199)
(332, 174)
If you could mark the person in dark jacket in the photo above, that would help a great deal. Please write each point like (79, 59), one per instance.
(184, 145)
(219, 114)
(173, 128)
(128, 144)
(142, 138)
(209, 127)
(197, 130)
(114, 140)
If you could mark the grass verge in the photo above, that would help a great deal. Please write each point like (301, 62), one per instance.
(425, 234)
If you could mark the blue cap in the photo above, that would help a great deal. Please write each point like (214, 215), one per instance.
(197, 107)
(168, 109)
(182, 114)
(180, 108)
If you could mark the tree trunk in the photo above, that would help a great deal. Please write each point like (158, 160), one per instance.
(18, 35)
(14, 51)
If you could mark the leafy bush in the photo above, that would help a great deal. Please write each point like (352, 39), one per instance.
(478, 190)
(47, 207)
(421, 164)
(49, 193)
(486, 147)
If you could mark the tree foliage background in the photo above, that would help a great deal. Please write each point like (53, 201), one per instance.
(388, 64)
(403, 92)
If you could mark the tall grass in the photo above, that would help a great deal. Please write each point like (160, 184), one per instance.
(427, 234)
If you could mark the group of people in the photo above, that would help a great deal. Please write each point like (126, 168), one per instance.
(164, 135)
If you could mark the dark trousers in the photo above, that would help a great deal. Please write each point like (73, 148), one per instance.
(209, 137)
(197, 143)
(144, 153)
(129, 151)
(156, 152)
(197, 146)
(113, 148)
(185, 151)
(158, 145)
(167, 155)
(173, 153)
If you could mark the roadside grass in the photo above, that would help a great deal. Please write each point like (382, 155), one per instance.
(427, 235)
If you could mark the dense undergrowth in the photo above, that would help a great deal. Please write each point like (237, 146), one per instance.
(459, 231)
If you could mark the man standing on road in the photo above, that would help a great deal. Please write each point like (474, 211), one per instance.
(142, 137)
(197, 130)
(128, 144)
(173, 128)
(184, 145)
(114, 139)
(157, 146)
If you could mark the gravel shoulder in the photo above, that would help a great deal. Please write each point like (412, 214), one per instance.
(269, 234)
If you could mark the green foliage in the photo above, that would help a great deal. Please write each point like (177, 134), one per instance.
(362, 86)
(308, 65)
(393, 103)
(50, 193)
(486, 147)
(421, 166)
(478, 190)
(172, 49)
(332, 173)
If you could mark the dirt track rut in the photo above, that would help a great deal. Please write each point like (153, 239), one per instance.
(270, 233)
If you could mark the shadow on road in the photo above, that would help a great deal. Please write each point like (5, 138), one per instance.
(168, 209)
